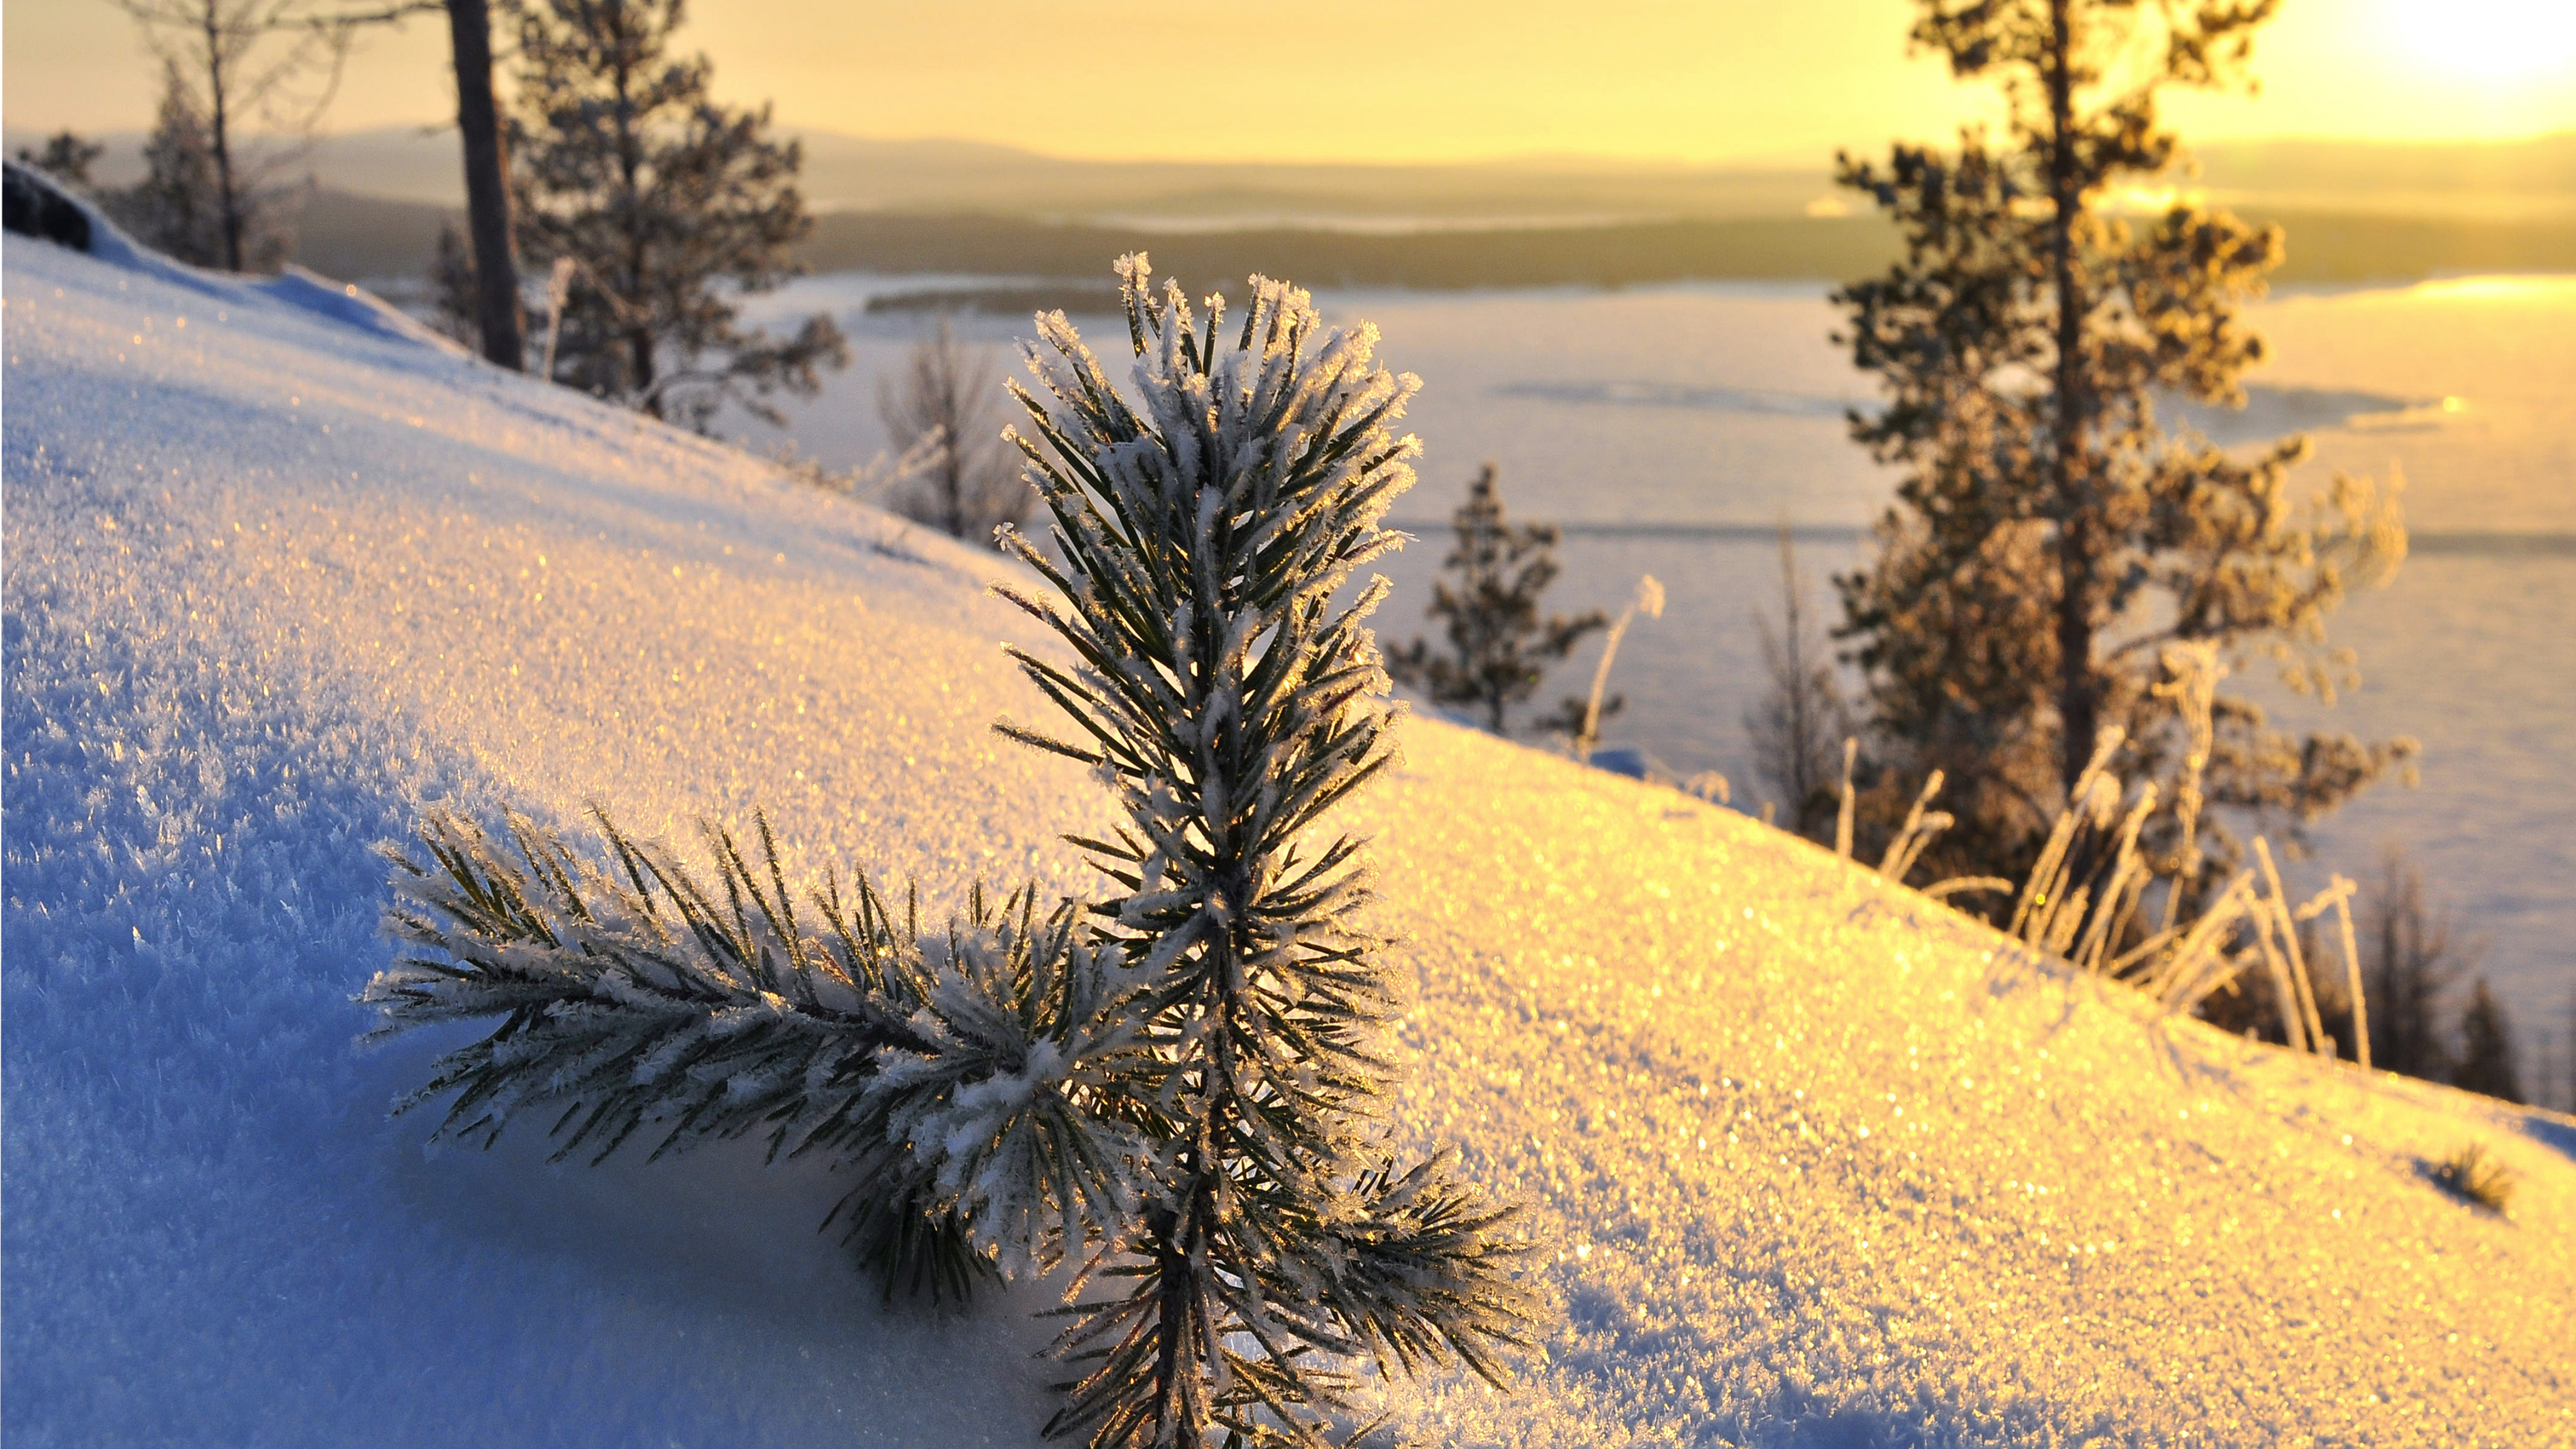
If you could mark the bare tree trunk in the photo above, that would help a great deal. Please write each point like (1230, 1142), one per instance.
(2077, 705)
(487, 191)
(219, 124)
(952, 407)
(630, 171)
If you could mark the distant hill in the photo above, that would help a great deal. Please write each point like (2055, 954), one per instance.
(2534, 179)
(2355, 212)
(366, 237)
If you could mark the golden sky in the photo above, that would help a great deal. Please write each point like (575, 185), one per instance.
(1396, 80)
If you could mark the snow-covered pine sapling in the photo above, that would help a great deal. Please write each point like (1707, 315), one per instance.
(1201, 532)
(970, 1083)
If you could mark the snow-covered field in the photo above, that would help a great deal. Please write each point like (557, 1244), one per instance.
(1807, 1160)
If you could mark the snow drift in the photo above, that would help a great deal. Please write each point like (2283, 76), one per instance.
(1808, 1159)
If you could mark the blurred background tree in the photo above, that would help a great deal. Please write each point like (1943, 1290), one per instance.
(1487, 595)
(66, 156)
(2051, 537)
(231, 65)
(673, 207)
(945, 415)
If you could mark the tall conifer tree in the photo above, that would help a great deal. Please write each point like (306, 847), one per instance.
(672, 205)
(2051, 536)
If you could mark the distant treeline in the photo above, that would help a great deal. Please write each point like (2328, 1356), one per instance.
(344, 235)
(2324, 248)
(1606, 256)
(2343, 247)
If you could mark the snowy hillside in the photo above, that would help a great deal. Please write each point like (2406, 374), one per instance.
(1808, 1160)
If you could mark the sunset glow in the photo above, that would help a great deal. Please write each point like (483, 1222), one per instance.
(1436, 80)
(2487, 39)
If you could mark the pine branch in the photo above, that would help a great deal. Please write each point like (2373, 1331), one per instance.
(973, 1080)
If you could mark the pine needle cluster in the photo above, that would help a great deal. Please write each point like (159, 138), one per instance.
(964, 1078)
(1177, 1087)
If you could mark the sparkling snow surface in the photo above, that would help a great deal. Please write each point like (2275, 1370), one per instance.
(1808, 1160)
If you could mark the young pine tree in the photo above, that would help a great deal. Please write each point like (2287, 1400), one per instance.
(2051, 536)
(1488, 592)
(1204, 532)
(672, 205)
(1178, 1086)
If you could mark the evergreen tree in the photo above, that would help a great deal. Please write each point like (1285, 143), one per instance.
(2487, 1057)
(1489, 590)
(66, 157)
(177, 207)
(2050, 536)
(947, 412)
(672, 205)
(1205, 532)
(2412, 962)
(1180, 1085)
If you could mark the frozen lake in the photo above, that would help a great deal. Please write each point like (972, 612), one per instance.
(1670, 427)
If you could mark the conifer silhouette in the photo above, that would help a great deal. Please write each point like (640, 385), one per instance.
(1488, 594)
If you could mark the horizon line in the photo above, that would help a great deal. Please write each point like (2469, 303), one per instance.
(1772, 160)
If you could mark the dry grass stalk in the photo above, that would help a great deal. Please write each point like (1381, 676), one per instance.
(1843, 821)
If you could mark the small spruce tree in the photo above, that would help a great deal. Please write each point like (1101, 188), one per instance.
(2413, 962)
(1180, 1085)
(2488, 1061)
(1489, 590)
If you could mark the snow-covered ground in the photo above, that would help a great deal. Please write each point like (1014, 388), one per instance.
(1807, 1160)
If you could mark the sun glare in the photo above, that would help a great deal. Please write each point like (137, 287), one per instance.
(2488, 39)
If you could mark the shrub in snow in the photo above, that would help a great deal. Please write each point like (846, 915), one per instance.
(1175, 1085)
